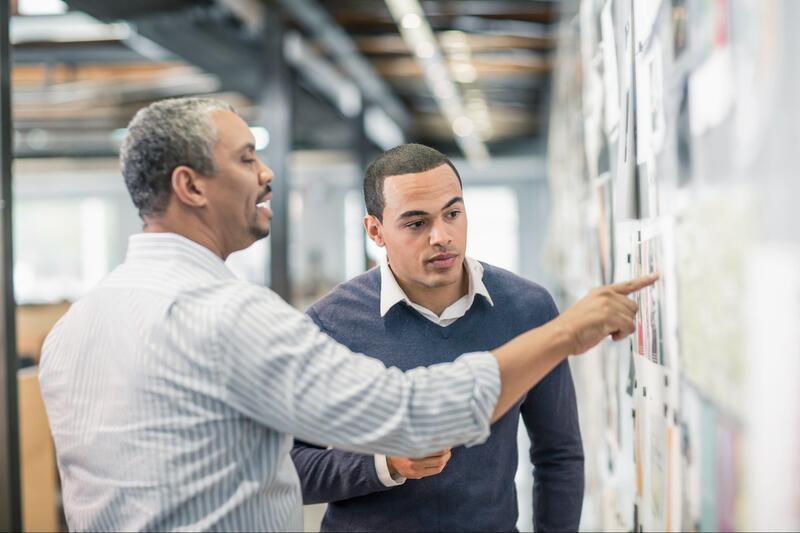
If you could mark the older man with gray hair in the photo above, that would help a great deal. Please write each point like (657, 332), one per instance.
(173, 389)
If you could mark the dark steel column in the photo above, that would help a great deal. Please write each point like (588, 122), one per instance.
(366, 153)
(10, 508)
(275, 114)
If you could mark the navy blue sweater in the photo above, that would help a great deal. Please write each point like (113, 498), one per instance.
(476, 490)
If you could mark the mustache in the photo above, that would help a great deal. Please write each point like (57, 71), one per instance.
(267, 190)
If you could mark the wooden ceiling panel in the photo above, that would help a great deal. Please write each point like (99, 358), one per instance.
(475, 42)
(508, 44)
(369, 15)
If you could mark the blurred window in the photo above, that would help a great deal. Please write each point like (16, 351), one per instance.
(61, 247)
(354, 251)
(493, 231)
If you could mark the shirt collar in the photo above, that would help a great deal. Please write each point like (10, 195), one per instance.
(171, 246)
(392, 293)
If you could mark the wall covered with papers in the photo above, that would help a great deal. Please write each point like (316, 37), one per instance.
(674, 148)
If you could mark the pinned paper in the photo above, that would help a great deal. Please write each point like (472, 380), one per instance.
(645, 15)
(711, 92)
(650, 103)
(610, 68)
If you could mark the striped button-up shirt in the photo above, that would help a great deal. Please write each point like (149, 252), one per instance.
(173, 390)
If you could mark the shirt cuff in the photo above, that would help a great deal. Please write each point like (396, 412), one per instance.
(382, 468)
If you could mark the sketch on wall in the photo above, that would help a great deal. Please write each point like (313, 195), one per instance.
(649, 334)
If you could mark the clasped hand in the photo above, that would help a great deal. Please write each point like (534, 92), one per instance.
(418, 468)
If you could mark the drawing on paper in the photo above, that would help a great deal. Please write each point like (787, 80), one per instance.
(649, 335)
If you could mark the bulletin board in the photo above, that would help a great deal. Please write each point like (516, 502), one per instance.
(674, 147)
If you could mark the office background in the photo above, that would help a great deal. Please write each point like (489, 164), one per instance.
(596, 140)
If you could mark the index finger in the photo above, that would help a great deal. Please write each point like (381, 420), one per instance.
(627, 287)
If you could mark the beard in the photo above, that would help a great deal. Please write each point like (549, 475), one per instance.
(259, 233)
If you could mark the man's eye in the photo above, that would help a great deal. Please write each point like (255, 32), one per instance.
(453, 214)
(248, 161)
(415, 225)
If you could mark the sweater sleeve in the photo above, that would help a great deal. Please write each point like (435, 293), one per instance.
(550, 414)
(329, 475)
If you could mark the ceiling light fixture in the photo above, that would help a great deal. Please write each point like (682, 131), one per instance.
(463, 126)
(424, 50)
(411, 21)
(439, 75)
(261, 136)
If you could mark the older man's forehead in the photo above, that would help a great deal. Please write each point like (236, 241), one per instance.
(232, 131)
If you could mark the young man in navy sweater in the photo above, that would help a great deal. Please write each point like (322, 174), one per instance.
(428, 299)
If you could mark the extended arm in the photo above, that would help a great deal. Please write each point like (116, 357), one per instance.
(279, 369)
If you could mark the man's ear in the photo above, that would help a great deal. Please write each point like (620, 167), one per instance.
(374, 230)
(189, 186)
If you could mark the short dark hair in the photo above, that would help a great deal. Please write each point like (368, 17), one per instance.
(161, 137)
(404, 159)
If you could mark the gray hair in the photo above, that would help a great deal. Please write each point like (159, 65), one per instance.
(162, 136)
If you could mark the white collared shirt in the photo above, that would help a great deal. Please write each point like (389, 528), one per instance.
(392, 294)
(173, 390)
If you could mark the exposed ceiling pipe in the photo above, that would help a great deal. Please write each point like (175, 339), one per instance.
(316, 21)
(419, 37)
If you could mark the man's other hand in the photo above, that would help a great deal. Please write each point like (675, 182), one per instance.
(418, 468)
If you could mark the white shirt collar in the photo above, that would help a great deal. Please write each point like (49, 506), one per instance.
(392, 294)
(171, 246)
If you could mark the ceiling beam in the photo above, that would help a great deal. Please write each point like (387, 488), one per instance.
(80, 53)
(217, 40)
(224, 52)
(370, 15)
(392, 43)
(504, 65)
(319, 24)
(115, 10)
(468, 128)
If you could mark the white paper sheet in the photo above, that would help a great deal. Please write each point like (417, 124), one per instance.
(645, 14)
(772, 298)
(711, 91)
(649, 103)
(610, 68)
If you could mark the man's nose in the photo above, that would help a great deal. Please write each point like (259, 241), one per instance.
(439, 235)
(265, 174)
